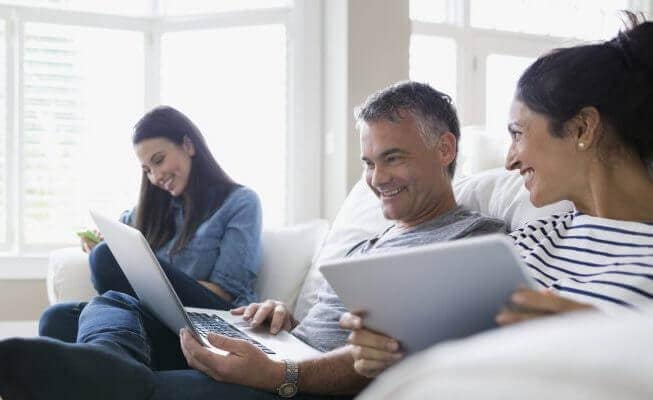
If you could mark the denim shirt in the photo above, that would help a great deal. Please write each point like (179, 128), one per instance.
(226, 248)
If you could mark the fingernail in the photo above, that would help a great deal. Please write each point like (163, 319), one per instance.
(392, 346)
(517, 298)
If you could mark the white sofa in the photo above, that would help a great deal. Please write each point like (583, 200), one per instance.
(291, 254)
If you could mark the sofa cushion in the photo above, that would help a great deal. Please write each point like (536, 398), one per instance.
(569, 357)
(359, 218)
(287, 255)
(501, 194)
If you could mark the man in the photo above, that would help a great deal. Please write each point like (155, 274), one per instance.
(409, 134)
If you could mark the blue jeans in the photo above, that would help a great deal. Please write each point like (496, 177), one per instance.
(120, 352)
(107, 275)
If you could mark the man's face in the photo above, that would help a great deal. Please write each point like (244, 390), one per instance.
(402, 172)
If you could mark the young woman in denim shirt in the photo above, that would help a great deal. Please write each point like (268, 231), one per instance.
(204, 228)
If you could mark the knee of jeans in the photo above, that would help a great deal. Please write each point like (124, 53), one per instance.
(120, 297)
(58, 318)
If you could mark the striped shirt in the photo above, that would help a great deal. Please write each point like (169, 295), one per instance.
(602, 262)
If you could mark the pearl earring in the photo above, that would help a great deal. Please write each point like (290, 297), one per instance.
(581, 145)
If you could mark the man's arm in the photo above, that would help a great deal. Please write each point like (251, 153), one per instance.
(332, 373)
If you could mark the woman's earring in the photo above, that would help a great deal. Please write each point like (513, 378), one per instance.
(581, 145)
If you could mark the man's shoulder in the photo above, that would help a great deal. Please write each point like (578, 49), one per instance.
(480, 223)
(463, 221)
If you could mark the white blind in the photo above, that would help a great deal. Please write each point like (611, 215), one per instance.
(3, 138)
(83, 93)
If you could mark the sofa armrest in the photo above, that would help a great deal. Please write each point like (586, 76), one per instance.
(69, 276)
(287, 255)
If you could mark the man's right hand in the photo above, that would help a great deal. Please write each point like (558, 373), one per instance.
(373, 353)
(272, 311)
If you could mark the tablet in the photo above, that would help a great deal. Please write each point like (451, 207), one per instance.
(424, 295)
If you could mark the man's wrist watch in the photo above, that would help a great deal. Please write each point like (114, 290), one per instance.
(289, 387)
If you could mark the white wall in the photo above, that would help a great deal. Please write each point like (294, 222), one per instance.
(365, 45)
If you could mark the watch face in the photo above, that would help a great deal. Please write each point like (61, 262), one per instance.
(287, 390)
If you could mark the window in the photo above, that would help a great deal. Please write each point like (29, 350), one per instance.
(237, 96)
(83, 91)
(82, 72)
(185, 7)
(117, 7)
(590, 20)
(3, 138)
(438, 71)
(501, 74)
(476, 51)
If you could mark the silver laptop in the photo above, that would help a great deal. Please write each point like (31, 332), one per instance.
(431, 293)
(156, 294)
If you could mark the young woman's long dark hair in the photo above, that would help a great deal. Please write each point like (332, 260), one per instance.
(153, 211)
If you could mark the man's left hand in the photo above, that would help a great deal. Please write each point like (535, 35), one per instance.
(527, 304)
(244, 364)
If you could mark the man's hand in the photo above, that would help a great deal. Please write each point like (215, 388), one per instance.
(526, 304)
(272, 311)
(245, 364)
(372, 352)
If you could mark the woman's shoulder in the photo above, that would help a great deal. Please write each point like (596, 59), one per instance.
(240, 197)
(545, 223)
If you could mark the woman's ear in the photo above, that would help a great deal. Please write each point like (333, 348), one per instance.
(188, 146)
(585, 127)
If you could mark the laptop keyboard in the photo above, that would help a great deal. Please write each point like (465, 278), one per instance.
(205, 324)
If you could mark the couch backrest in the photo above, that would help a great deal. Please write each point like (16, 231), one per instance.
(497, 192)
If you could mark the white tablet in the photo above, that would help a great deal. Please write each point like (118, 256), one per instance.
(427, 294)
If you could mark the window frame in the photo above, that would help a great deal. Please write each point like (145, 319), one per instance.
(303, 34)
(475, 44)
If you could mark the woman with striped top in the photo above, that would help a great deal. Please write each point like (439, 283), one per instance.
(582, 130)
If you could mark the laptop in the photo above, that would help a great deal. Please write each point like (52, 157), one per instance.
(428, 294)
(156, 294)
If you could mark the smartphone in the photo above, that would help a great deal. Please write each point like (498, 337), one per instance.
(90, 236)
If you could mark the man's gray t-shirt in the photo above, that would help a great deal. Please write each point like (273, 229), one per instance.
(320, 327)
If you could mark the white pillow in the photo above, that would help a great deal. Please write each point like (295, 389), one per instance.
(571, 357)
(501, 194)
(359, 218)
(287, 256)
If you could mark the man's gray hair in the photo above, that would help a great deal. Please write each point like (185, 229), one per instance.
(433, 111)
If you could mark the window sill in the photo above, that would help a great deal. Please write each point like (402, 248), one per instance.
(35, 267)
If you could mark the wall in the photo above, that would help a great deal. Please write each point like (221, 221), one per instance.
(22, 299)
(365, 47)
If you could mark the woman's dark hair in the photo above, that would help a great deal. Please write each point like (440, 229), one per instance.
(153, 211)
(615, 77)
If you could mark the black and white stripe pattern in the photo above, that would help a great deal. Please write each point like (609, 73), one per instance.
(603, 262)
